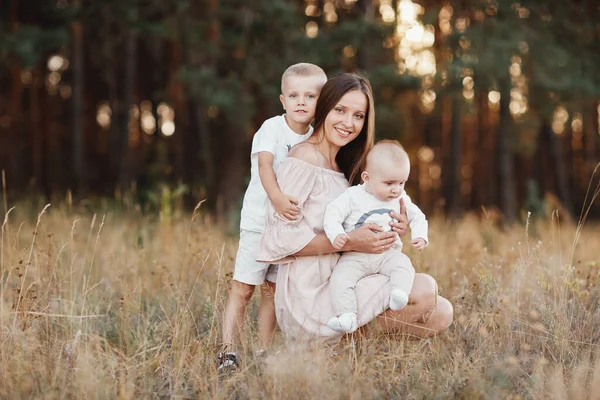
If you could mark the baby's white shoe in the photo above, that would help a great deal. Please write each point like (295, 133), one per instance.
(346, 322)
(398, 299)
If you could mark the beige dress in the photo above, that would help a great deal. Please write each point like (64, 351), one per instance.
(303, 296)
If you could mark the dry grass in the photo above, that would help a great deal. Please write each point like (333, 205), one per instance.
(119, 305)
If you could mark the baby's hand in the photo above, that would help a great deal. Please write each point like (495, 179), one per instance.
(419, 243)
(340, 240)
(399, 222)
(287, 207)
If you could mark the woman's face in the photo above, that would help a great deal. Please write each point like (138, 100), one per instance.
(346, 119)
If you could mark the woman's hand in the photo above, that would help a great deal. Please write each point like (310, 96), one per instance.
(370, 238)
(400, 225)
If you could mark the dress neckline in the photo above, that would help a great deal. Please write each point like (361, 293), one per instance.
(320, 169)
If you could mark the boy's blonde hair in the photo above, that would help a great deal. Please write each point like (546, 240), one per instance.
(303, 69)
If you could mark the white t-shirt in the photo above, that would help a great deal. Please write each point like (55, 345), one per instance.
(355, 207)
(276, 137)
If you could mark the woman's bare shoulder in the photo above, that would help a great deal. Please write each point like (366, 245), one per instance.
(306, 152)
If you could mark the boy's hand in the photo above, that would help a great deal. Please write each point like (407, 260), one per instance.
(340, 240)
(419, 243)
(287, 207)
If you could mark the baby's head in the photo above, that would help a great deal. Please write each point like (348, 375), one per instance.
(387, 170)
(300, 88)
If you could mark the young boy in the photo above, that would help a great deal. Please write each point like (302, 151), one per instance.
(384, 177)
(300, 88)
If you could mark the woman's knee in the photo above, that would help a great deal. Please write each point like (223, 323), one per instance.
(424, 289)
(443, 316)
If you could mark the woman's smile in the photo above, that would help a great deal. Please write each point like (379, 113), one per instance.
(343, 132)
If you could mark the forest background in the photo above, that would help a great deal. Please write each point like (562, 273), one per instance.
(152, 102)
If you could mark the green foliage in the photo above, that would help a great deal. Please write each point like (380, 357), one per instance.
(391, 122)
(29, 44)
(219, 64)
(386, 77)
(535, 202)
(557, 42)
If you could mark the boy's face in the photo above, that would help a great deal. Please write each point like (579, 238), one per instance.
(299, 97)
(386, 180)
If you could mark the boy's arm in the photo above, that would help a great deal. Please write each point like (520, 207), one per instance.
(335, 214)
(286, 206)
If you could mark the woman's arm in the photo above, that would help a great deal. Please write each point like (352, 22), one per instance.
(319, 245)
(369, 238)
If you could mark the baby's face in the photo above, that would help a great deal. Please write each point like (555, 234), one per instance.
(386, 180)
(299, 97)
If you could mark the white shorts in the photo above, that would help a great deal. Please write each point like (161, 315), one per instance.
(247, 269)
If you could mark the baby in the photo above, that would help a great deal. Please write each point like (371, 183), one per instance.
(384, 177)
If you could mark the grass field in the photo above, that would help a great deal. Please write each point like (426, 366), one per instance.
(122, 305)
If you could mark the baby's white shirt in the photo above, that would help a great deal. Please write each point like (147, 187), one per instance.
(356, 207)
(276, 137)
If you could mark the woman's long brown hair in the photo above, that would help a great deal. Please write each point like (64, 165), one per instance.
(352, 157)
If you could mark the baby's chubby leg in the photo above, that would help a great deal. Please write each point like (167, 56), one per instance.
(398, 267)
(346, 274)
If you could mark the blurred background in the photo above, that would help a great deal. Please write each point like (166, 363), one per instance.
(154, 101)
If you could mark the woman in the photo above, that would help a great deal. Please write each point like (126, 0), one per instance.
(316, 172)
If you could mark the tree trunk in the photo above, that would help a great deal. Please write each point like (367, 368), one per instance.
(206, 152)
(590, 131)
(175, 97)
(14, 107)
(505, 157)
(197, 113)
(125, 173)
(231, 173)
(39, 127)
(51, 122)
(366, 61)
(110, 71)
(479, 158)
(37, 131)
(451, 180)
(541, 160)
(114, 131)
(78, 99)
(560, 168)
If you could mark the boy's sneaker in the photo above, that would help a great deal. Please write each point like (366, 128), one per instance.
(227, 361)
